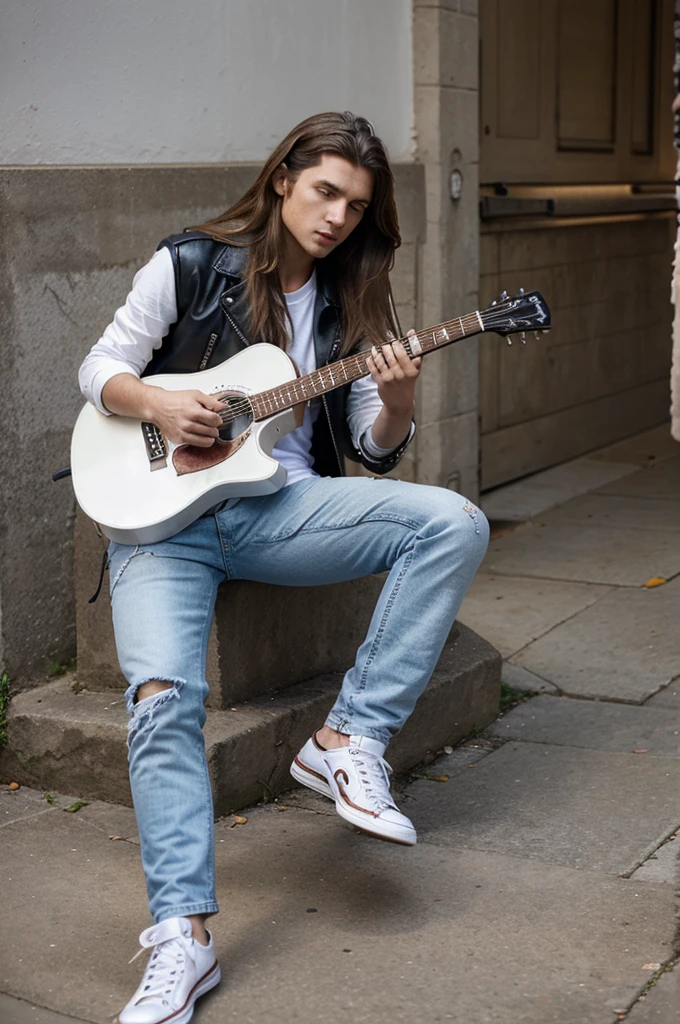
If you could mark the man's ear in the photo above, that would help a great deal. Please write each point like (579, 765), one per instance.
(279, 179)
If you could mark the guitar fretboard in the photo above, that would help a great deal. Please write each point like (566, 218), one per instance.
(344, 371)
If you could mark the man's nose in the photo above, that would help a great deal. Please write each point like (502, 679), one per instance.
(337, 214)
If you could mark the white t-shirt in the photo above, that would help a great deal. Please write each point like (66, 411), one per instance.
(140, 325)
(292, 451)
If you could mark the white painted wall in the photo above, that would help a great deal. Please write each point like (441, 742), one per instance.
(167, 81)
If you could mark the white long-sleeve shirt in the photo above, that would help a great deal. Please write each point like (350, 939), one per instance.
(140, 325)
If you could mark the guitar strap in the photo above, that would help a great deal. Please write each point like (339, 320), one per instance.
(102, 571)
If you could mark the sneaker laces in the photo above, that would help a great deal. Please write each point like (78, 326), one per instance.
(373, 773)
(165, 967)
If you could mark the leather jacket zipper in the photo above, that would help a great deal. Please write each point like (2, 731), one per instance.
(333, 352)
(330, 430)
(208, 351)
(237, 329)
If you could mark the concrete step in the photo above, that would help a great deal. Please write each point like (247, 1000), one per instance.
(74, 742)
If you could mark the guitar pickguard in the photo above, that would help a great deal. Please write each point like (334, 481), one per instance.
(189, 458)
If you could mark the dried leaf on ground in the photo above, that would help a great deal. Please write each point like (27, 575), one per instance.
(656, 581)
(642, 750)
(115, 838)
(651, 967)
(238, 820)
(13, 785)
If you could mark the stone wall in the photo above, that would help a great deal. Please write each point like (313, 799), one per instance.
(72, 240)
(603, 371)
(446, 99)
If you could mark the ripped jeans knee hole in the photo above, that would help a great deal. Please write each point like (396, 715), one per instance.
(142, 712)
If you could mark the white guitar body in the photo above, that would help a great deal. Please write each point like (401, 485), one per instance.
(138, 496)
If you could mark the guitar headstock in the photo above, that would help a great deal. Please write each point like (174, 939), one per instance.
(516, 314)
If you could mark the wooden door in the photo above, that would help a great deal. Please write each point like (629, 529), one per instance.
(576, 94)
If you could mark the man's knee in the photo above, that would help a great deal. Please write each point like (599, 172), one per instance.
(148, 703)
(151, 688)
(460, 522)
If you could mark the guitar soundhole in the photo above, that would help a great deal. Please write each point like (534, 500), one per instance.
(238, 415)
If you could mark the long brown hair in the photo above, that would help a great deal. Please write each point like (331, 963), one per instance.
(359, 267)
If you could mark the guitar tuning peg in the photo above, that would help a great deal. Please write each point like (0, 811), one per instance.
(544, 332)
(536, 335)
(509, 340)
(494, 302)
(523, 338)
(521, 291)
(503, 296)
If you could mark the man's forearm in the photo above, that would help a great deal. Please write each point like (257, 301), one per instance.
(390, 429)
(127, 395)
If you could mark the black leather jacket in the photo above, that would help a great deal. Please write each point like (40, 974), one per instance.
(213, 324)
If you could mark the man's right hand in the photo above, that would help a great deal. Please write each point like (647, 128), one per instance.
(185, 417)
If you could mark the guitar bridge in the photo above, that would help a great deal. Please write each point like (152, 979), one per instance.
(156, 449)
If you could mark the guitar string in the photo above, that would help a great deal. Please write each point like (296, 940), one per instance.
(245, 406)
(491, 319)
(241, 408)
(323, 377)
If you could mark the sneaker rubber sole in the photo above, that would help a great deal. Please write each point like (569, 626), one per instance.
(314, 780)
(403, 837)
(209, 980)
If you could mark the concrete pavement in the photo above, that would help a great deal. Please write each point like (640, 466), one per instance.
(544, 884)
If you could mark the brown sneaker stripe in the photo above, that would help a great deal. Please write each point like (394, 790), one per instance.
(310, 771)
(350, 803)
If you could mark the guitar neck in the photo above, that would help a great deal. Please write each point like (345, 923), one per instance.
(344, 371)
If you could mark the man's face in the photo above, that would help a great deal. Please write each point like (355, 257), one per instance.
(325, 204)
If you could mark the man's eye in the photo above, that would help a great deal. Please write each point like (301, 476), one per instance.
(324, 191)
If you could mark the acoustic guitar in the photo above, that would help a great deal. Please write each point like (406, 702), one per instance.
(140, 487)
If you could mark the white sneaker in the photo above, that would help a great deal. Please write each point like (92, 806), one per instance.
(357, 779)
(179, 970)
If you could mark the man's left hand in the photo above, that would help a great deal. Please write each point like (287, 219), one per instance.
(396, 374)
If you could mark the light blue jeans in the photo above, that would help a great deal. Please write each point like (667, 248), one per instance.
(317, 531)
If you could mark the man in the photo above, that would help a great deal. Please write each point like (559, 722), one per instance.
(302, 261)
